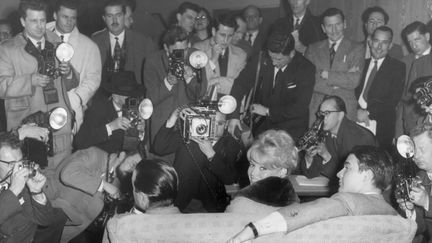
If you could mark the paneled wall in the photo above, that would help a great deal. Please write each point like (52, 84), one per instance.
(402, 12)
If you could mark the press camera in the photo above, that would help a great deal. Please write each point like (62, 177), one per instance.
(423, 92)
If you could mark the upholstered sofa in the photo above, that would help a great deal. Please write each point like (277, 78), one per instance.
(220, 227)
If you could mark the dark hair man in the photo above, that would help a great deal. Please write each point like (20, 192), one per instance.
(23, 204)
(380, 88)
(418, 65)
(327, 158)
(221, 52)
(338, 63)
(28, 80)
(85, 63)
(186, 15)
(282, 97)
(367, 172)
(374, 17)
(121, 49)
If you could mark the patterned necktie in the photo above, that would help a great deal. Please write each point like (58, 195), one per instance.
(117, 49)
(370, 80)
(332, 53)
(39, 46)
(297, 24)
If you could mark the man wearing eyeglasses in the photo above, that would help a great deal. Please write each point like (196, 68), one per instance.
(326, 159)
(23, 204)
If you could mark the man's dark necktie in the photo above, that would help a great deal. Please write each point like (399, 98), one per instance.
(277, 79)
(370, 80)
(39, 46)
(223, 63)
(332, 53)
(250, 38)
(62, 38)
(297, 24)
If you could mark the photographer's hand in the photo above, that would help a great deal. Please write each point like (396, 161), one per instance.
(113, 191)
(129, 163)
(188, 73)
(39, 80)
(173, 118)
(171, 79)
(120, 123)
(216, 52)
(404, 204)
(33, 131)
(36, 183)
(65, 68)
(205, 147)
(419, 196)
(19, 178)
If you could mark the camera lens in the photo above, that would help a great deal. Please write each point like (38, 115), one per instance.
(201, 129)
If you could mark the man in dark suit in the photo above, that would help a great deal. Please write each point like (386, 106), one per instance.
(284, 89)
(374, 17)
(380, 87)
(23, 204)
(104, 123)
(121, 48)
(254, 35)
(304, 27)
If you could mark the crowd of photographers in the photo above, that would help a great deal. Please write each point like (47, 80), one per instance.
(112, 124)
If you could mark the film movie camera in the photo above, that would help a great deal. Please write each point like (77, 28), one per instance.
(137, 111)
(54, 120)
(405, 178)
(199, 120)
(313, 136)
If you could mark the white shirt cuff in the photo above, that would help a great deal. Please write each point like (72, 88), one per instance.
(188, 80)
(42, 200)
(100, 189)
(426, 207)
(108, 128)
(273, 223)
(168, 85)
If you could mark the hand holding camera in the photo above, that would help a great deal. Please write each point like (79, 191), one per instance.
(40, 80)
(120, 123)
(113, 191)
(36, 183)
(171, 79)
(188, 73)
(65, 68)
(19, 178)
(205, 147)
(233, 126)
(419, 196)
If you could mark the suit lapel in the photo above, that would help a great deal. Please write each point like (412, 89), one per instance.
(340, 53)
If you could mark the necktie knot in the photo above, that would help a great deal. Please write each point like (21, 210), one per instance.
(39, 45)
(332, 53)
(250, 38)
(62, 38)
(297, 24)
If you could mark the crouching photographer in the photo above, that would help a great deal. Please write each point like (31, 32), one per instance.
(25, 213)
(205, 156)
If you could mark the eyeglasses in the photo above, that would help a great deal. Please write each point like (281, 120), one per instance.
(13, 161)
(201, 17)
(324, 113)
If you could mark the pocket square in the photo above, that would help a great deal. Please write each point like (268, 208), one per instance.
(291, 85)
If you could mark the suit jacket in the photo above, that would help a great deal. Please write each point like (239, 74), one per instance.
(259, 43)
(288, 101)
(236, 63)
(310, 30)
(93, 132)
(18, 221)
(340, 204)
(384, 94)
(349, 135)
(74, 188)
(340, 82)
(138, 47)
(408, 113)
(86, 62)
(165, 101)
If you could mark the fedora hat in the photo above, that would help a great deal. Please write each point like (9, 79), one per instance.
(124, 83)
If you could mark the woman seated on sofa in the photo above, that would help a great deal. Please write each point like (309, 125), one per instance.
(155, 185)
(272, 157)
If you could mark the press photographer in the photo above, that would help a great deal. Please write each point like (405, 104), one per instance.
(23, 205)
(169, 79)
(113, 122)
(204, 161)
(32, 78)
